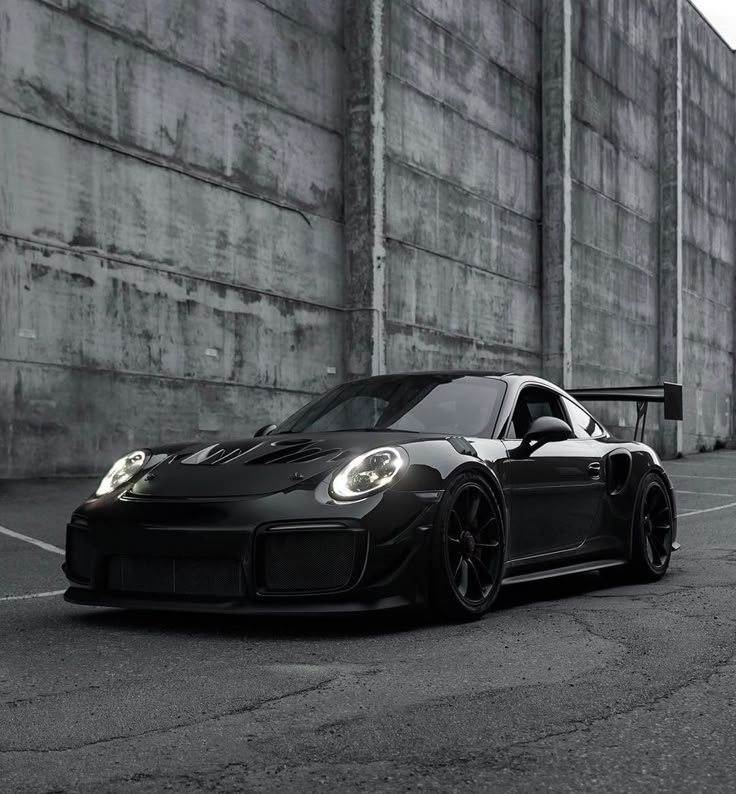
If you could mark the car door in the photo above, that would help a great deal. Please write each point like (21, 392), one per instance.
(556, 487)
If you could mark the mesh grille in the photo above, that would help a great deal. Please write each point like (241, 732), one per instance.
(175, 576)
(306, 560)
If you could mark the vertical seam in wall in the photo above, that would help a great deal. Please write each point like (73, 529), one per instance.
(378, 185)
(567, 195)
(678, 211)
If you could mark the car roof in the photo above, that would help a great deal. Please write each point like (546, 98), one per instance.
(445, 373)
(460, 373)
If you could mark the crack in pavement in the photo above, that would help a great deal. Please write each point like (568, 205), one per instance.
(172, 728)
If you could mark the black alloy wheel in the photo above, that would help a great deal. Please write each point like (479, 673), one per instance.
(653, 530)
(468, 549)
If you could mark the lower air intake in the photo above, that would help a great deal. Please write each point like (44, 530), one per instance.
(176, 576)
(306, 560)
(79, 555)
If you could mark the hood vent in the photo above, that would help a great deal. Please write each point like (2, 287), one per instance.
(285, 452)
(302, 453)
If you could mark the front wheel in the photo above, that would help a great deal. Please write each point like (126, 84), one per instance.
(468, 546)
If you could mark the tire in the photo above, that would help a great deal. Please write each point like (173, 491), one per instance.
(651, 538)
(468, 550)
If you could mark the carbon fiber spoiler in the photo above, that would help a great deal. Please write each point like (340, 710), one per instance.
(668, 393)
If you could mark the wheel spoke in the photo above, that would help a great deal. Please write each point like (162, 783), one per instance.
(484, 577)
(462, 585)
(658, 548)
(455, 518)
(494, 544)
(487, 524)
(473, 507)
(476, 577)
(651, 553)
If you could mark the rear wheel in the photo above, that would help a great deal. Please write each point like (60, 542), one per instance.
(652, 540)
(468, 546)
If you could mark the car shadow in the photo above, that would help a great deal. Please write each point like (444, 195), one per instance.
(329, 626)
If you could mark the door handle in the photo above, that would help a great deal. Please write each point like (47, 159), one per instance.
(594, 470)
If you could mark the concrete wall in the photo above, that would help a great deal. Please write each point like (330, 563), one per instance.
(210, 211)
(171, 245)
(709, 122)
(463, 185)
(615, 192)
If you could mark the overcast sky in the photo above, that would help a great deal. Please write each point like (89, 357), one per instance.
(722, 15)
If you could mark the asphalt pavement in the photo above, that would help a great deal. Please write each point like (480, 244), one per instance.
(568, 685)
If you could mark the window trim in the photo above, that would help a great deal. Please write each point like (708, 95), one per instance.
(541, 387)
(604, 432)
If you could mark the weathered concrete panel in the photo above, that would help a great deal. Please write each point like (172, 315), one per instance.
(709, 322)
(637, 343)
(436, 293)
(608, 227)
(58, 420)
(133, 99)
(602, 281)
(708, 231)
(629, 64)
(70, 193)
(506, 34)
(445, 67)
(243, 43)
(437, 139)
(83, 310)
(432, 214)
(703, 140)
(414, 348)
(633, 21)
(603, 167)
(629, 126)
(708, 184)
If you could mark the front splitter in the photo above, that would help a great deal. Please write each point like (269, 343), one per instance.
(85, 597)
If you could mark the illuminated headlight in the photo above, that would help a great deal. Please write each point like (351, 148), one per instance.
(369, 473)
(121, 471)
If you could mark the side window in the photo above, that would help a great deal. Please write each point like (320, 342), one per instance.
(532, 403)
(583, 424)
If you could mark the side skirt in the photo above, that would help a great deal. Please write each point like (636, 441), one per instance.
(566, 570)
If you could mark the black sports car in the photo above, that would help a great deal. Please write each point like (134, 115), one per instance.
(429, 489)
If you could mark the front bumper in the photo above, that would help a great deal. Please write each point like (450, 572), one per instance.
(223, 557)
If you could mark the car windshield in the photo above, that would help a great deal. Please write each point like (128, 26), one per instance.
(464, 405)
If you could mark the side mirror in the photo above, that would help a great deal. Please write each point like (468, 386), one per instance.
(264, 431)
(548, 428)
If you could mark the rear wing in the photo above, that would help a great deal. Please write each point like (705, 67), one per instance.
(668, 393)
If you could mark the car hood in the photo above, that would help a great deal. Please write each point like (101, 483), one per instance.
(260, 466)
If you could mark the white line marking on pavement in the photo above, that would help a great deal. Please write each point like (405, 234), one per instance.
(705, 493)
(39, 543)
(706, 510)
(33, 595)
(703, 477)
